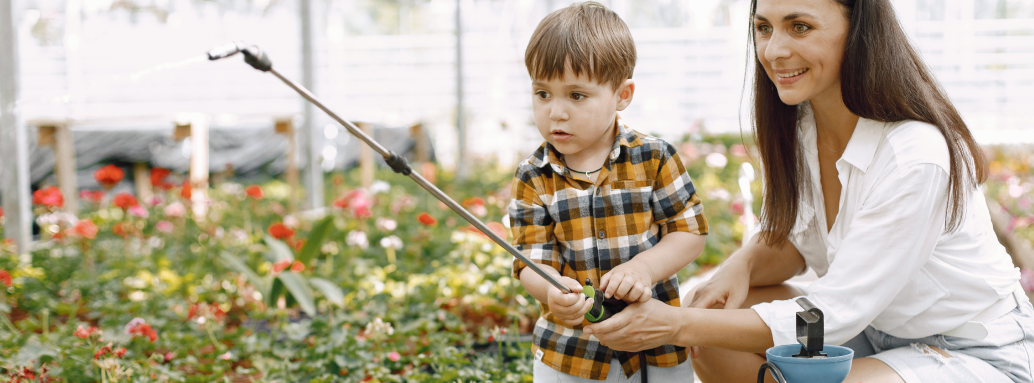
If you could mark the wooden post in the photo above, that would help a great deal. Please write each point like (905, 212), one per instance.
(65, 167)
(286, 127)
(142, 178)
(199, 165)
(421, 149)
(366, 168)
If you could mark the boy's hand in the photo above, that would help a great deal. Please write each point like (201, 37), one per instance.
(569, 308)
(630, 282)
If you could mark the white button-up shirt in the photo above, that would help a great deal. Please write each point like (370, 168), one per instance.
(888, 260)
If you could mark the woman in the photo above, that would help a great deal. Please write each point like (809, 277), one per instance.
(871, 180)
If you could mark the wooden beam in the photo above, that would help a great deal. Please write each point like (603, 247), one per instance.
(65, 167)
(199, 165)
(421, 148)
(142, 178)
(286, 127)
(366, 165)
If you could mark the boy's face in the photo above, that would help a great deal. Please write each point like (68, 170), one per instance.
(576, 114)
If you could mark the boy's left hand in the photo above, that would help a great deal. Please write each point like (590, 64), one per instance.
(629, 282)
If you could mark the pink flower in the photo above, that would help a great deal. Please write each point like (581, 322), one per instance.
(1027, 280)
(394, 356)
(138, 211)
(175, 210)
(226, 356)
(164, 226)
(169, 355)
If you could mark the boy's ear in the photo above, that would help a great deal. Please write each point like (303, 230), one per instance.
(625, 93)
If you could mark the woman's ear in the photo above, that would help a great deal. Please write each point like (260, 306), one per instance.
(625, 93)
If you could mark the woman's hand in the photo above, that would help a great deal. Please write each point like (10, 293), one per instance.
(640, 326)
(727, 287)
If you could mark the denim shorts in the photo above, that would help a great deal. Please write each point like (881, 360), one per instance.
(1005, 355)
(543, 373)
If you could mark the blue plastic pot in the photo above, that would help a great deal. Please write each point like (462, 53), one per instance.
(831, 369)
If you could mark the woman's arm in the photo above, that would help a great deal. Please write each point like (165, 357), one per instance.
(643, 326)
(755, 264)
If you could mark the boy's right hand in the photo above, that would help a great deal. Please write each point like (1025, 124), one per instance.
(568, 308)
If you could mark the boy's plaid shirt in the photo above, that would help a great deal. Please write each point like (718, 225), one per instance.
(584, 230)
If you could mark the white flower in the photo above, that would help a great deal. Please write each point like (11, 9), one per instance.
(292, 222)
(386, 224)
(357, 238)
(392, 242)
(719, 194)
(380, 187)
(716, 160)
(175, 210)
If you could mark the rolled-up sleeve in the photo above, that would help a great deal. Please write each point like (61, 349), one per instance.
(532, 228)
(890, 238)
(676, 206)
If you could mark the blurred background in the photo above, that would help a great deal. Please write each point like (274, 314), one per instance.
(145, 185)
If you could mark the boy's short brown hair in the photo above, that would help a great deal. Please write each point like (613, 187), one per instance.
(589, 38)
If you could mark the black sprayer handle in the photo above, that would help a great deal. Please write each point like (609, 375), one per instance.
(775, 372)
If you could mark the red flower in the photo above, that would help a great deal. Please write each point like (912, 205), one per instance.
(158, 176)
(103, 351)
(94, 196)
(5, 277)
(124, 200)
(1, 212)
(280, 231)
(496, 227)
(297, 266)
(48, 196)
(120, 230)
(359, 201)
(85, 228)
(120, 352)
(83, 332)
(185, 190)
(299, 244)
(281, 265)
(474, 201)
(254, 191)
(109, 176)
(427, 219)
(145, 330)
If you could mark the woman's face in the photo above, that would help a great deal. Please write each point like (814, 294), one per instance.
(800, 43)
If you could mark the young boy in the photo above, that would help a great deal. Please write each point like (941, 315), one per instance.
(597, 200)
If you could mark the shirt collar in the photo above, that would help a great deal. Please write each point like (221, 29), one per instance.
(547, 155)
(860, 149)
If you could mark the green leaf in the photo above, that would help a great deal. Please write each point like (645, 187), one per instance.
(315, 240)
(300, 290)
(274, 292)
(329, 290)
(237, 264)
(35, 351)
(278, 250)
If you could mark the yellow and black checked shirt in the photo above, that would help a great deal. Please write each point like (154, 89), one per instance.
(584, 230)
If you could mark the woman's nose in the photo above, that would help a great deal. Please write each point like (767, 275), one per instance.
(777, 47)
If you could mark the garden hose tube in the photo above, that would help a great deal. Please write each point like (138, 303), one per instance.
(257, 59)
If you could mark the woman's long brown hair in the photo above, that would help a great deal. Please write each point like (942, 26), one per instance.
(882, 78)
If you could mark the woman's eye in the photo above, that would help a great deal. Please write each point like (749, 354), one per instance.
(800, 28)
(577, 96)
(542, 94)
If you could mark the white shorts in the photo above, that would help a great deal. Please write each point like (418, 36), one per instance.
(1005, 355)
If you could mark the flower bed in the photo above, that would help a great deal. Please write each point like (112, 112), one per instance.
(386, 285)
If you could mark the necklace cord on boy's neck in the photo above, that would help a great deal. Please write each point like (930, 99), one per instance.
(586, 173)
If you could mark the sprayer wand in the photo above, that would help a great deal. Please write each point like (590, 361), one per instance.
(258, 59)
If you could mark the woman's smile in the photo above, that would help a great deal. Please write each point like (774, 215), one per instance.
(790, 76)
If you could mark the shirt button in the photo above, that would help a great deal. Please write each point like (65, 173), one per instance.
(603, 234)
